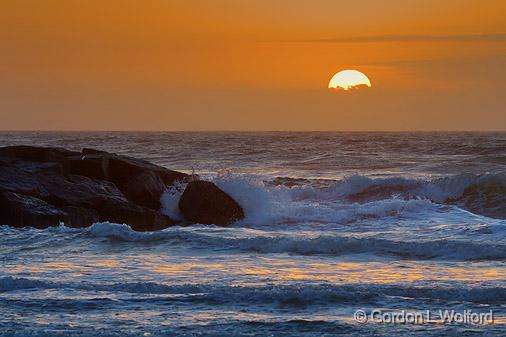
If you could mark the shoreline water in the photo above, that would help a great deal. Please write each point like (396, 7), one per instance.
(373, 229)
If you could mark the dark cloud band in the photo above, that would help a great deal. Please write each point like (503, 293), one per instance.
(416, 38)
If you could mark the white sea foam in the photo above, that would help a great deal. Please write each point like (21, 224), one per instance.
(306, 243)
(260, 204)
(268, 205)
(170, 201)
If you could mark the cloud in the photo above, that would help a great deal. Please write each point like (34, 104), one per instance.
(416, 38)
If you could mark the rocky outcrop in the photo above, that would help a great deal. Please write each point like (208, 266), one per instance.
(42, 187)
(203, 202)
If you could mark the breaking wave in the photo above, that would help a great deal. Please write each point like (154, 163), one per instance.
(353, 198)
(306, 243)
(296, 294)
(363, 188)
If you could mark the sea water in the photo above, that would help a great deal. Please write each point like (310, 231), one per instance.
(335, 223)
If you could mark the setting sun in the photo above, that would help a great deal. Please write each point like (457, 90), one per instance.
(349, 79)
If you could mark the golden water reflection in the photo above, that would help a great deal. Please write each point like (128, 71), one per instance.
(243, 270)
(342, 272)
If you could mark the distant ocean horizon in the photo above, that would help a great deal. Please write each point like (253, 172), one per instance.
(244, 131)
(336, 221)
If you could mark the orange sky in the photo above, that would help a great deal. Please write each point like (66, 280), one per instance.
(251, 65)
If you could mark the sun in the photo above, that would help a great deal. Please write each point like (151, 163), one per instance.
(348, 80)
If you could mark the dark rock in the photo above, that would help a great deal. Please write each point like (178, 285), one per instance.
(156, 221)
(16, 180)
(43, 186)
(108, 202)
(6, 161)
(21, 210)
(86, 151)
(123, 169)
(203, 202)
(74, 190)
(39, 167)
(80, 217)
(137, 217)
(127, 174)
(91, 166)
(145, 189)
(120, 169)
(33, 153)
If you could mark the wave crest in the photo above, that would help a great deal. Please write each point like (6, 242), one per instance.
(296, 294)
(306, 243)
(481, 194)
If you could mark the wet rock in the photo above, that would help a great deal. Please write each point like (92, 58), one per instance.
(87, 151)
(37, 154)
(106, 199)
(79, 217)
(39, 167)
(146, 189)
(74, 190)
(141, 181)
(42, 186)
(91, 166)
(203, 202)
(16, 180)
(117, 168)
(138, 217)
(21, 210)
(123, 169)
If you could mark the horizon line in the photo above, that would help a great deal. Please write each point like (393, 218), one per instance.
(260, 131)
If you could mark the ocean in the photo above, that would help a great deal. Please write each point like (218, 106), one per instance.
(388, 223)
